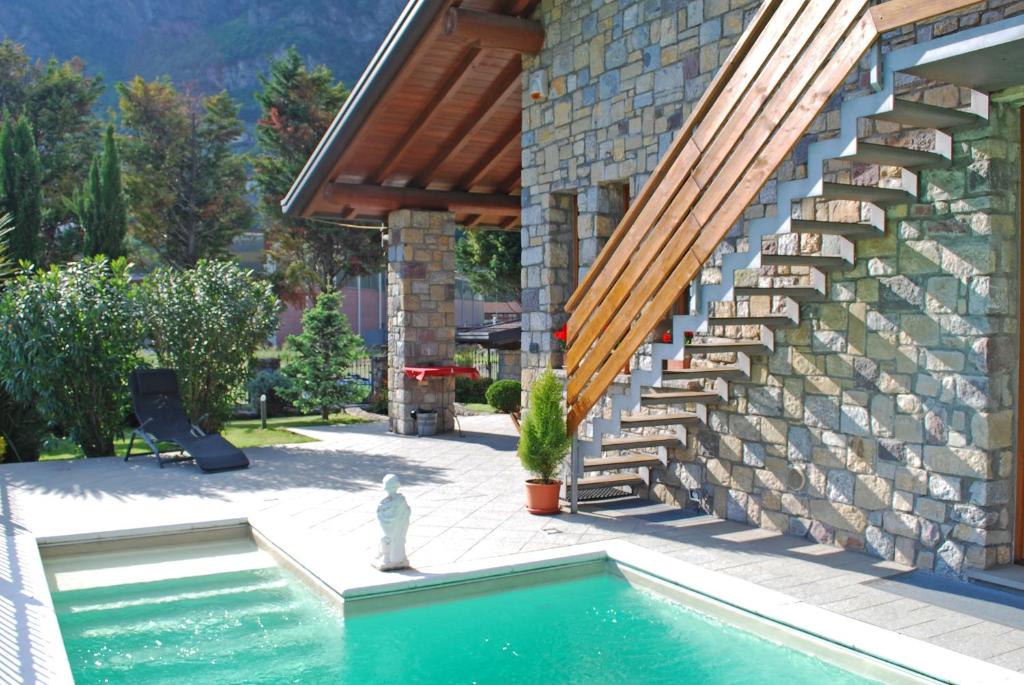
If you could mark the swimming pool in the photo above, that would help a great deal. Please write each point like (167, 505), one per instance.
(264, 626)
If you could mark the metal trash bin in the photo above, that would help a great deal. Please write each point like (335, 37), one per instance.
(426, 422)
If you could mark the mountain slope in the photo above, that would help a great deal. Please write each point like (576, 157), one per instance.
(203, 45)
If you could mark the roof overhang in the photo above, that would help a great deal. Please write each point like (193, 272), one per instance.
(434, 121)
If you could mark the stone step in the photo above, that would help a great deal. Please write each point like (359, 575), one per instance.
(771, 321)
(920, 115)
(891, 155)
(744, 346)
(680, 397)
(847, 229)
(873, 194)
(622, 461)
(820, 262)
(727, 371)
(635, 442)
(615, 480)
(813, 290)
(678, 418)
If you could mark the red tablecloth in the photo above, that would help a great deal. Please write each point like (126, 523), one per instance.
(422, 373)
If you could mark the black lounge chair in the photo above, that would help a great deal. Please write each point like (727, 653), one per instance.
(157, 404)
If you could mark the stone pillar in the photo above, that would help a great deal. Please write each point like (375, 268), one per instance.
(421, 315)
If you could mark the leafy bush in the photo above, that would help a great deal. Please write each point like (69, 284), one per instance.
(319, 357)
(543, 441)
(468, 390)
(505, 396)
(22, 429)
(206, 323)
(70, 338)
(275, 385)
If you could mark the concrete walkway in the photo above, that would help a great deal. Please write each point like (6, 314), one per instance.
(318, 501)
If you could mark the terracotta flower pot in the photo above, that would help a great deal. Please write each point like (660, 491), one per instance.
(542, 498)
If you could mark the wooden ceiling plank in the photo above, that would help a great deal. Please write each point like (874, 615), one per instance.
(494, 156)
(462, 70)
(504, 86)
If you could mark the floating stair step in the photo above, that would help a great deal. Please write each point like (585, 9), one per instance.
(615, 480)
(634, 442)
(920, 115)
(680, 397)
(678, 418)
(621, 461)
(745, 346)
(822, 262)
(772, 321)
(891, 155)
(847, 229)
(800, 293)
(873, 194)
(728, 372)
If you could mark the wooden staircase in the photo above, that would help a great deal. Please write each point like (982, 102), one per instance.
(624, 444)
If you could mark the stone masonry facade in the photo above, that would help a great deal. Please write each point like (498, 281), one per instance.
(885, 422)
(421, 315)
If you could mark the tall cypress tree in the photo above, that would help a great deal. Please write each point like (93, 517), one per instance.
(101, 208)
(21, 175)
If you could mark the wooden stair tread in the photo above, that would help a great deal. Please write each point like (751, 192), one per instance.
(891, 155)
(609, 481)
(682, 418)
(848, 229)
(620, 461)
(873, 194)
(920, 115)
(637, 441)
(823, 262)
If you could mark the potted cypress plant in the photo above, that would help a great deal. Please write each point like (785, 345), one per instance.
(543, 443)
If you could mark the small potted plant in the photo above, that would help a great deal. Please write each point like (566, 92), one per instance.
(543, 444)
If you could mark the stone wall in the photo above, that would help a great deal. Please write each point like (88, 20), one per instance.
(884, 421)
(421, 315)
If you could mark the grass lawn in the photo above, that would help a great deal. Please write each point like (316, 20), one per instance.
(247, 433)
(479, 408)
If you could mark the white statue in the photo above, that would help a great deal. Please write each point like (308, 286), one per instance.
(393, 514)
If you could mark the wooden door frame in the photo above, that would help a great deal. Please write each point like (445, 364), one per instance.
(1018, 500)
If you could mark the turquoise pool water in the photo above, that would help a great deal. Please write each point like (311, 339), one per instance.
(262, 627)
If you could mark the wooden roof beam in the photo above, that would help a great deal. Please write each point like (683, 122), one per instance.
(371, 198)
(465, 68)
(504, 86)
(495, 31)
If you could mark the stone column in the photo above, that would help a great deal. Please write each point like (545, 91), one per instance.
(421, 315)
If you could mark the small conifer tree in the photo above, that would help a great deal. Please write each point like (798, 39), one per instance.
(544, 442)
(21, 183)
(318, 358)
(101, 207)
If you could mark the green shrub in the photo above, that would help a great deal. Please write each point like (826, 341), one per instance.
(469, 390)
(22, 429)
(505, 396)
(543, 441)
(70, 339)
(206, 323)
(318, 359)
(274, 385)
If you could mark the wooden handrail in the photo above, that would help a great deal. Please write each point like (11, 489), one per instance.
(777, 81)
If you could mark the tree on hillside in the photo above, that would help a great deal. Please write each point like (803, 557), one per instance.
(318, 358)
(185, 184)
(21, 187)
(57, 98)
(101, 207)
(297, 105)
(490, 261)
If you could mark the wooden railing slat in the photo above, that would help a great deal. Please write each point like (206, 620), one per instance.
(748, 38)
(896, 13)
(658, 254)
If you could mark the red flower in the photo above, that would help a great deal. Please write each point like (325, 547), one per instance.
(666, 337)
(562, 333)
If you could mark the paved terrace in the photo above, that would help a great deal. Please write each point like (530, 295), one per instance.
(318, 502)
